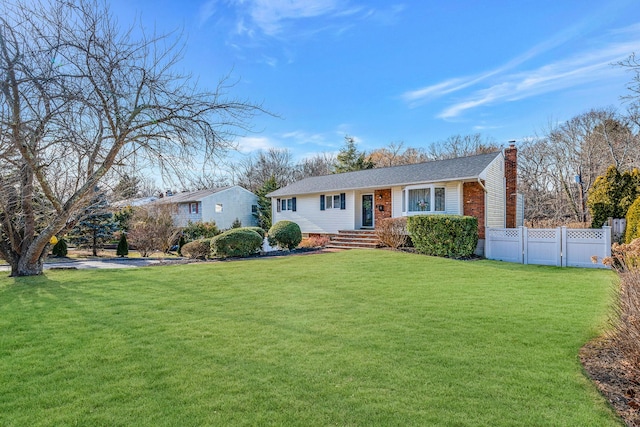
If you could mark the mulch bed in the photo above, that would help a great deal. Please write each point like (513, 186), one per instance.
(608, 370)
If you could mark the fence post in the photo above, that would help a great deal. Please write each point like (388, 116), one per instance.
(563, 246)
(524, 244)
(607, 242)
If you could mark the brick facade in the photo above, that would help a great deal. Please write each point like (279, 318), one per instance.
(511, 179)
(473, 200)
(382, 198)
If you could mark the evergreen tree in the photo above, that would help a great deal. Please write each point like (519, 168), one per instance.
(60, 248)
(350, 159)
(263, 213)
(123, 246)
(612, 194)
(95, 226)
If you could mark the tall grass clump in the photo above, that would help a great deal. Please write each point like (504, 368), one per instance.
(625, 260)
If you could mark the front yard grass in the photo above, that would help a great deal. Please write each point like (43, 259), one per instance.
(355, 338)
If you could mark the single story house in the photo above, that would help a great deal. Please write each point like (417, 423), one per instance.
(223, 205)
(482, 185)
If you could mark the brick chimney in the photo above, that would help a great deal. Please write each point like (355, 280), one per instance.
(511, 180)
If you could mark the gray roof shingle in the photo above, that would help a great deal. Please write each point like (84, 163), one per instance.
(434, 171)
(191, 196)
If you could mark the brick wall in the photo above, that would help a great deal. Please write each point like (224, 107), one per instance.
(511, 179)
(382, 197)
(473, 200)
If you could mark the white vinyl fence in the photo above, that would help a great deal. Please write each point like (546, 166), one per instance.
(562, 246)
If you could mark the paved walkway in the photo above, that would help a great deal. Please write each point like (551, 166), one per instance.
(97, 263)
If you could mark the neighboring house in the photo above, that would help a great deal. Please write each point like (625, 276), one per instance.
(223, 205)
(483, 186)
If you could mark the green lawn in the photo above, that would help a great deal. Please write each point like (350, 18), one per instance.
(355, 338)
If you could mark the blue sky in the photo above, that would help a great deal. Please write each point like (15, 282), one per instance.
(412, 71)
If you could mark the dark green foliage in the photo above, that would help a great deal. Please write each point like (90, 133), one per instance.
(350, 159)
(285, 234)
(444, 235)
(237, 242)
(181, 243)
(123, 246)
(236, 223)
(612, 194)
(633, 222)
(95, 226)
(263, 214)
(200, 230)
(122, 218)
(198, 249)
(258, 230)
(60, 248)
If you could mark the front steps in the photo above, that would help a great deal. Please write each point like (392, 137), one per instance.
(354, 239)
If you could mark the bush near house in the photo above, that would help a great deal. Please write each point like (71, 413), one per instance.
(633, 222)
(444, 235)
(237, 242)
(258, 230)
(392, 232)
(198, 249)
(200, 230)
(285, 234)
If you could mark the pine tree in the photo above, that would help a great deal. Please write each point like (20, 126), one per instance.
(95, 226)
(123, 246)
(60, 248)
(350, 159)
(263, 213)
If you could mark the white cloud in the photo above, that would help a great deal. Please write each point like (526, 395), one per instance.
(249, 144)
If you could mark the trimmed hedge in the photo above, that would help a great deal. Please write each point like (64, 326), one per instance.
(237, 242)
(258, 230)
(633, 222)
(198, 249)
(285, 234)
(444, 235)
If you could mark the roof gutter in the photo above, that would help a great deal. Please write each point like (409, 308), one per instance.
(482, 185)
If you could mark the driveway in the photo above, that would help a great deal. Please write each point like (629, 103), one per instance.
(99, 263)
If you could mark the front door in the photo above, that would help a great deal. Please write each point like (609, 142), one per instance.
(367, 210)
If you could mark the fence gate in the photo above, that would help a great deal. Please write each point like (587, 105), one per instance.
(566, 247)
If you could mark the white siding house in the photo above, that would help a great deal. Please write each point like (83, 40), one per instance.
(223, 205)
(473, 185)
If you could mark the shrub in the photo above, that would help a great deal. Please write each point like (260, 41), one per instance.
(315, 241)
(200, 230)
(123, 246)
(626, 332)
(633, 222)
(60, 248)
(392, 232)
(258, 230)
(285, 234)
(444, 235)
(198, 249)
(237, 242)
(236, 223)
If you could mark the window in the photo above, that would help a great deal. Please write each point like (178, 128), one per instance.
(193, 208)
(254, 208)
(218, 207)
(420, 200)
(423, 199)
(288, 204)
(438, 197)
(335, 201)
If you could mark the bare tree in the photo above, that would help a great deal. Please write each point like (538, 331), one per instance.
(152, 228)
(253, 171)
(395, 154)
(79, 97)
(318, 165)
(460, 146)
